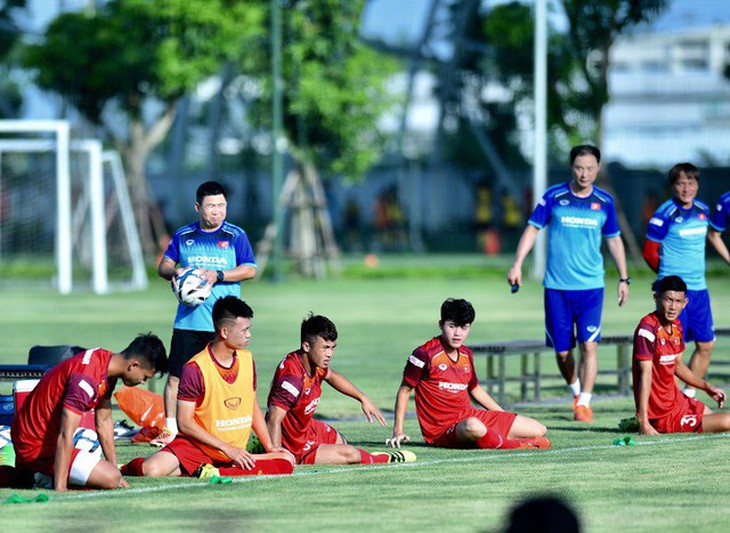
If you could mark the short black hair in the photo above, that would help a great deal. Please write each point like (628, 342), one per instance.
(314, 326)
(691, 171)
(149, 348)
(584, 149)
(671, 283)
(209, 188)
(458, 311)
(230, 308)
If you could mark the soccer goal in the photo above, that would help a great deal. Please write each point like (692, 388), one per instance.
(65, 213)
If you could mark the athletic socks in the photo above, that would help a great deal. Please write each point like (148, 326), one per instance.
(133, 467)
(264, 467)
(494, 441)
(367, 458)
(584, 398)
(575, 387)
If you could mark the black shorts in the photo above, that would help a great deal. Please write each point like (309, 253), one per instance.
(184, 345)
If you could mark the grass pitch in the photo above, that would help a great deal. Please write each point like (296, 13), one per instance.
(671, 483)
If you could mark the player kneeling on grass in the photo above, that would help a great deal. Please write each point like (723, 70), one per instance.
(442, 373)
(43, 429)
(217, 408)
(294, 395)
(660, 406)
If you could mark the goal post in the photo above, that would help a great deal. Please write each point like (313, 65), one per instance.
(92, 203)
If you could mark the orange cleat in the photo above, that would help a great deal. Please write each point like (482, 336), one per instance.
(535, 443)
(583, 413)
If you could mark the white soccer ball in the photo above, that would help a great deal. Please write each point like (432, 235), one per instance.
(87, 440)
(4, 436)
(191, 288)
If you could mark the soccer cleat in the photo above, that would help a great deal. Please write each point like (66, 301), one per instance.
(583, 413)
(206, 471)
(401, 456)
(163, 439)
(534, 443)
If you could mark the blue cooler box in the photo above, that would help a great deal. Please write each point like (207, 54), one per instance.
(7, 409)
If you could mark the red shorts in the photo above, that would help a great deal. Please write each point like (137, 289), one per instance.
(496, 421)
(318, 434)
(191, 457)
(686, 418)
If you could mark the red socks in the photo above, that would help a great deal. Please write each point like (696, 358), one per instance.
(133, 467)
(492, 441)
(264, 467)
(367, 458)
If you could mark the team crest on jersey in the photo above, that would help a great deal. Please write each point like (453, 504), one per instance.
(443, 367)
(189, 242)
(232, 403)
(679, 219)
(223, 244)
(564, 202)
(663, 341)
(595, 206)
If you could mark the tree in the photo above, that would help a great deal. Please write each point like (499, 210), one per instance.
(10, 97)
(110, 65)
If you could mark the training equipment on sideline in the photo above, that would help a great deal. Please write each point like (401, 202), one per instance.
(191, 288)
(87, 440)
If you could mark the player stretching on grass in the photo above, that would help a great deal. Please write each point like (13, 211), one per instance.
(675, 245)
(224, 253)
(442, 372)
(660, 405)
(44, 427)
(294, 395)
(578, 214)
(217, 408)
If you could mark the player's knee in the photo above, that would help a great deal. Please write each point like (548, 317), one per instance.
(111, 479)
(154, 469)
(284, 455)
(539, 429)
(472, 429)
(563, 356)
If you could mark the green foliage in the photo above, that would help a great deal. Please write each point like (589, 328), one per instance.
(134, 49)
(334, 87)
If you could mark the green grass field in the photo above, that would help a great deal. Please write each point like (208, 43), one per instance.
(672, 483)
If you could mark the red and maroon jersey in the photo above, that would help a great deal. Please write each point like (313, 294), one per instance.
(442, 386)
(653, 343)
(78, 383)
(295, 391)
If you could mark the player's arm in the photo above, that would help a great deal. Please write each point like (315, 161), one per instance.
(715, 238)
(401, 407)
(645, 368)
(651, 254)
(527, 241)
(70, 420)
(168, 268)
(258, 424)
(240, 273)
(187, 426)
(274, 417)
(616, 248)
(483, 398)
(344, 386)
(105, 430)
(684, 373)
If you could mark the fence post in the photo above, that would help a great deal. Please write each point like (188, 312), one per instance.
(623, 360)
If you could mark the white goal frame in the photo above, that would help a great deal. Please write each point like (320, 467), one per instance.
(97, 158)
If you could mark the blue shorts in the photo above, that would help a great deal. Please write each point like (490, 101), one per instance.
(566, 309)
(696, 318)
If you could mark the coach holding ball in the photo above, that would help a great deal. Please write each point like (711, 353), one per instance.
(223, 253)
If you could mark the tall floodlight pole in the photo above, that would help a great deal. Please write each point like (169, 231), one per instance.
(539, 168)
(277, 139)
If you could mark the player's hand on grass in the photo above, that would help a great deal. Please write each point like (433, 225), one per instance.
(647, 429)
(371, 411)
(395, 441)
(123, 484)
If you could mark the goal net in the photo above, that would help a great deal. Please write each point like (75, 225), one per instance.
(65, 214)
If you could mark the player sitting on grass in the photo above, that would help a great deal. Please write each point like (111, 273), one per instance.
(442, 372)
(660, 406)
(294, 395)
(43, 430)
(217, 408)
